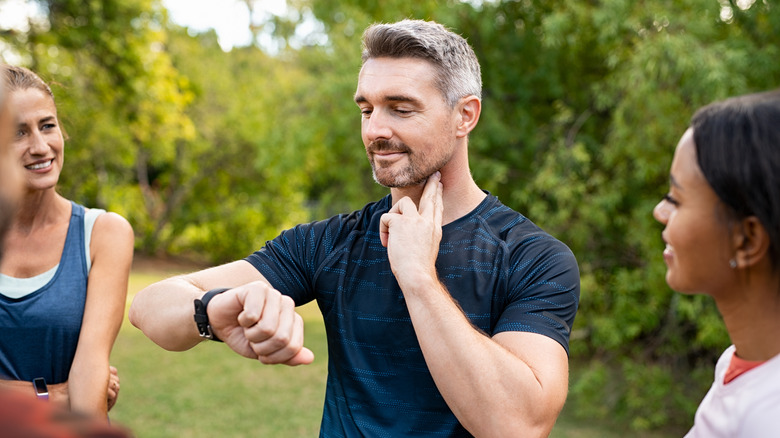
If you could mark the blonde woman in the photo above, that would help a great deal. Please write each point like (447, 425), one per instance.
(63, 277)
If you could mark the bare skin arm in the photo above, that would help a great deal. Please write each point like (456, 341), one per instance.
(501, 386)
(58, 393)
(252, 318)
(112, 254)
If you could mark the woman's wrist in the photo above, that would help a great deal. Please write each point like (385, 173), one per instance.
(58, 394)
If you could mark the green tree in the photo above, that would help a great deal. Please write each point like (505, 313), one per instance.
(647, 67)
(167, 129)
(248, 173)
(122, 100)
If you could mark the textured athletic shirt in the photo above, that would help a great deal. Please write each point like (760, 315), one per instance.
(505, 272)
(40, 330)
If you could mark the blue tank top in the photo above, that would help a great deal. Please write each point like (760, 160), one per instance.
(40, 331)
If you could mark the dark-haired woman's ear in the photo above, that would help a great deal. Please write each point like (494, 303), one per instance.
(751, 243)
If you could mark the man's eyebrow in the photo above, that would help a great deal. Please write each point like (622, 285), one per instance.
(391, 98)
(400, 98)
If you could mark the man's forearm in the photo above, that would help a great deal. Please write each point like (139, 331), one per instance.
(492, 391)
(164, 312)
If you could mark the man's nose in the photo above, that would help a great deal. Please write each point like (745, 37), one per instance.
(377, 126)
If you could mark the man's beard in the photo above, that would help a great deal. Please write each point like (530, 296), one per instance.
(6, 216)
(411, 175)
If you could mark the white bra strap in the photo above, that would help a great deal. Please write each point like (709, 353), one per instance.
(90, 216)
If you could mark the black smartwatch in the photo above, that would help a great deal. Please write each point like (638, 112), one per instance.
(41, 390)
(202, 318)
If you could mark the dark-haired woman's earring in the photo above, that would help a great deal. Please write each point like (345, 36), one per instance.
(733, 263)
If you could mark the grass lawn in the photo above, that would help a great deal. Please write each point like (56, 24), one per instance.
(210, 391)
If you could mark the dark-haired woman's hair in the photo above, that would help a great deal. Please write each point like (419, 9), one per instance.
(738, 150)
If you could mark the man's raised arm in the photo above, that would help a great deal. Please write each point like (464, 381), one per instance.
(251, 317)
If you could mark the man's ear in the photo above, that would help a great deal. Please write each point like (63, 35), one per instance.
(468, 109)
(751, 242)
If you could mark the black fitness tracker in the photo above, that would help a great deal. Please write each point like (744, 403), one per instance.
(41, 390)
(202, 318)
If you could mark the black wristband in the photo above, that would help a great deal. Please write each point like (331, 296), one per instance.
(202, 318)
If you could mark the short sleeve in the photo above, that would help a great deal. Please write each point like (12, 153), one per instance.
(544, 290)
(287, 261)
(291, 260)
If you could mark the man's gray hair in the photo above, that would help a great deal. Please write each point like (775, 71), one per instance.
(457, 68)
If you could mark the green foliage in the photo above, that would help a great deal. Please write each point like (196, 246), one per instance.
(646, 68)
(122, 100)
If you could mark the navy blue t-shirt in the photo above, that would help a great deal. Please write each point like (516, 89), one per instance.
(506, 273)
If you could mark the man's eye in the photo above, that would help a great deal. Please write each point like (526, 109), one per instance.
(668, 198)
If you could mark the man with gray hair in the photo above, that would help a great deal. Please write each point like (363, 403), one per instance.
(447, 313)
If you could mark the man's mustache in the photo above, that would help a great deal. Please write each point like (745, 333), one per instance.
(387, 146)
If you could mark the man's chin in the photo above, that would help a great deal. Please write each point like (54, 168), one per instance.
(397, 183)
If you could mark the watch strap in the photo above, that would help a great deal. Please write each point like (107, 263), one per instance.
(202, 317)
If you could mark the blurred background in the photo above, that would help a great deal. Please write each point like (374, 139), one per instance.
(212, 141)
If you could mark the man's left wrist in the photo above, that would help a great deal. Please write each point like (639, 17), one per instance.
(201, 315)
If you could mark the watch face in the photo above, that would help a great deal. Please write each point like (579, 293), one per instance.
(40, 386)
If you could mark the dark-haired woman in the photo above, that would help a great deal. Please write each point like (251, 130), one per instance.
(63, 277)
(722, 235)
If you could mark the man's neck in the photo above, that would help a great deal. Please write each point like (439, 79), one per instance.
(460, 195)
